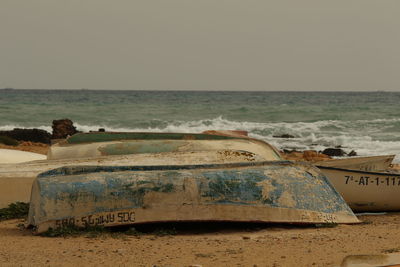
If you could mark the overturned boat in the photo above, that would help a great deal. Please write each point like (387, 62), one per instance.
(118, 149)
(16, 179)
(272, 191)
(87, 145)
(124, 178)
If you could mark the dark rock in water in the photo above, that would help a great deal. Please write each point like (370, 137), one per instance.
(352, 153)
(32, 135)
(288, 151)
(334, 152)
(284, 136)
(63, 128)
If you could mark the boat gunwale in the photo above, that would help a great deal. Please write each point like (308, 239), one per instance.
(149, 136)
(392, 156)
(84, 169)
(244, 221)
(357, 171)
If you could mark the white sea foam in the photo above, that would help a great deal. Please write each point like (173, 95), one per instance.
(366, 137)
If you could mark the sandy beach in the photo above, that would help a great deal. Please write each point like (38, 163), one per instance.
(206, 245)
(200, 133)
(202, 244)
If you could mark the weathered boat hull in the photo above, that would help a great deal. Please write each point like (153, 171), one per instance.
(366, 191)
(374, 163)
(17, 156)
(16, 179)
(258, 192)
(95, 145)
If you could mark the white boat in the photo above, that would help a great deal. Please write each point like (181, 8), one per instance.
(104, 144)
(18, 156)
(373, 163)
(366, 190)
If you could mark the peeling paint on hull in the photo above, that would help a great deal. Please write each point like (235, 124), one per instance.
(16, 179)
(278, 191)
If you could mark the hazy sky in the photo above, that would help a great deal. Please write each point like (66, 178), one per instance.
(200, 45)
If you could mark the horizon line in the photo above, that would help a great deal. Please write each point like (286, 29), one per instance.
(197, 90)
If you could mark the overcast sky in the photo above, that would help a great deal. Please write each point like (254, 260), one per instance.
(200, 45)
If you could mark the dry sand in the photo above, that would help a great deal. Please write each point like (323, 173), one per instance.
(203, 245)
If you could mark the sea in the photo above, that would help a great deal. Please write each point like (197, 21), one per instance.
(366, 122)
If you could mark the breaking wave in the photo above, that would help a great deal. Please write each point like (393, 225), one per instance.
(366, 137)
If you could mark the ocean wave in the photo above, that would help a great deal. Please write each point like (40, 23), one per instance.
(224, 124)
(366, 137)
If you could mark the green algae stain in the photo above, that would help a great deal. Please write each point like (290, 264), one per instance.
(139, 148)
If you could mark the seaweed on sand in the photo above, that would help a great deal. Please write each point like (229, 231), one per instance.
(15, 210)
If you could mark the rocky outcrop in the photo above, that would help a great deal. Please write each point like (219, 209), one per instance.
(32, 135)
(63, 128)
(307, 155)
(352, 153)
(334, 152)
